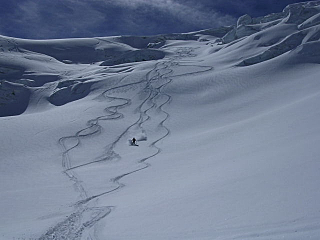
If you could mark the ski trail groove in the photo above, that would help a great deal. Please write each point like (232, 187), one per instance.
(86, 215)
(74, 226)
(157, 91)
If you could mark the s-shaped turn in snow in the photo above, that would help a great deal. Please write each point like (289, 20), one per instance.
(80, 224)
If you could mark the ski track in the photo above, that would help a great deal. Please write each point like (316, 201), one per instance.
(79, 224)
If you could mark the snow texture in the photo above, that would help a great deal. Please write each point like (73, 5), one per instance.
(226, 121)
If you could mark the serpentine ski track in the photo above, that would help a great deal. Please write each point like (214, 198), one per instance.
(80, 224)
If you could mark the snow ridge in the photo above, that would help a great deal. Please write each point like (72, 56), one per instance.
(155, 81)
(227, 117)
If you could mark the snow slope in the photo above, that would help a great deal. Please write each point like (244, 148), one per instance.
(226, 122)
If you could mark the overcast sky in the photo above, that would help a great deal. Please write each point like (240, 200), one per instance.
(46, 19)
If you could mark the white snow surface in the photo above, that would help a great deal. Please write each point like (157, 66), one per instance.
(227, 123)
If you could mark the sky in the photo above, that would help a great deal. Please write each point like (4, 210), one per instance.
(50, 19)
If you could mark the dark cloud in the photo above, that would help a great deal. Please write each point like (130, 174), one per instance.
(89, 18)
(238, 8)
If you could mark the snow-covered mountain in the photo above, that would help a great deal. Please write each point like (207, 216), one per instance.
(226, 121)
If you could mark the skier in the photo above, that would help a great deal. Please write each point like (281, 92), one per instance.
(134, 141)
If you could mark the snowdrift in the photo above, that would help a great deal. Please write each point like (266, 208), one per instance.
(226, 122)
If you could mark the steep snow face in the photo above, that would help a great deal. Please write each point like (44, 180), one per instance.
(300, 12)
(275, 34)
(52, 70)
(226, 122)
